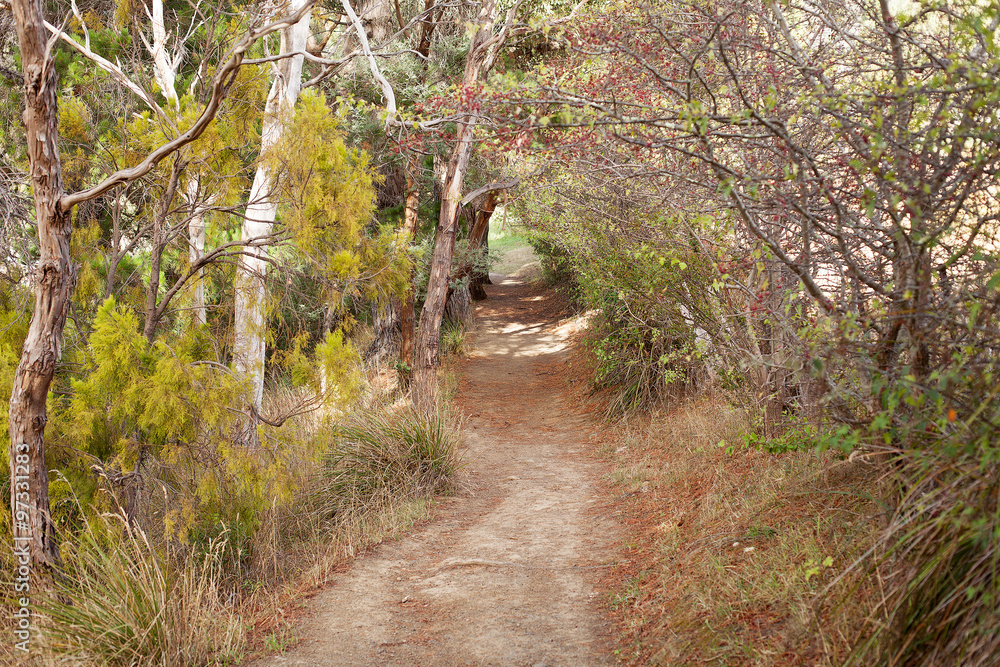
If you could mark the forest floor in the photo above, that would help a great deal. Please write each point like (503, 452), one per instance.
(508, 569)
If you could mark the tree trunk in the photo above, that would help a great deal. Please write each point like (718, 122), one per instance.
(250, 325)
(427, 25)
(196, 250)
(115, 255)
(407, 309)
(458, 307)
(55, 277)
(386, 322)
(429, 332)
(156, 256)
(478, 241)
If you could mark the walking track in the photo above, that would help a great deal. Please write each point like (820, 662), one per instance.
(504, 574)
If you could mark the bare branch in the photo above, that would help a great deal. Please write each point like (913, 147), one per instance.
(390, 97)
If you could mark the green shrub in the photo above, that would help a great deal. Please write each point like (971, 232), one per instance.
(556, 261)
(940, 551)
(637, 364)
(453, 335)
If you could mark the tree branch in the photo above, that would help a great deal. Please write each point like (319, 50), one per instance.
(390, 97)
(490, 187)
(221, 82)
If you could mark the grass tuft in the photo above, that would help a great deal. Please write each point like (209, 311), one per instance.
(941, 566)
(454, 338)
(121, 602)
(384, 457)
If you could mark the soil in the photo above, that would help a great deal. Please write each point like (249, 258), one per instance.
(507, 571)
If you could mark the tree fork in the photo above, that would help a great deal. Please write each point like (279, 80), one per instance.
(428, 341)
(55, 276)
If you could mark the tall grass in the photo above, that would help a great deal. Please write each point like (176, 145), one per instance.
(383, 457)
(120, 601)
(941, 563)
(454, 338)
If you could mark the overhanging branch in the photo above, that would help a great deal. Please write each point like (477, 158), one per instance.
(221, 82)
(499, 185)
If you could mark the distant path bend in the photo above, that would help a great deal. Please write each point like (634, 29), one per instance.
(504, 575)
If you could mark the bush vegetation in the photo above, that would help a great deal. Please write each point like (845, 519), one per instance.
(134, 592)
(815, 240)
(789, 208)
(381, 458)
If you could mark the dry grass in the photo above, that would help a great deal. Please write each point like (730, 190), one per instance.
(121, 601)
(733, 549)
(134, 600)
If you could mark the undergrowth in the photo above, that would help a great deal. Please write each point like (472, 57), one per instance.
(121, 601)
(130, 596)
(454, 338)
(741, 557)
(383, 457)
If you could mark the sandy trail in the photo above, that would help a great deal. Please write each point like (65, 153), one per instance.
(504, 574)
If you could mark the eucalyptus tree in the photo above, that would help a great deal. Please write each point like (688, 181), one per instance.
(54, 272)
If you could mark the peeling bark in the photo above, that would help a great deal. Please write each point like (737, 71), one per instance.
(478, 242)
(55, 278)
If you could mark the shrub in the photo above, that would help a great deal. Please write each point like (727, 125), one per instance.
(556, 261)
(453, 334)
(940, 555)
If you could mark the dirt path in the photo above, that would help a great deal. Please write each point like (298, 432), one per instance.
(504, 573)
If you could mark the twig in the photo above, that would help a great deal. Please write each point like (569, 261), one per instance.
(480, 562)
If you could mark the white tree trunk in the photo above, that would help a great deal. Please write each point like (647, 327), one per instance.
(164, 71)
(196, 250)
(250, 326)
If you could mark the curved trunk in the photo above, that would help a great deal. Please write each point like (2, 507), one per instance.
(55, 277)
(429, 333)
(478, 241)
